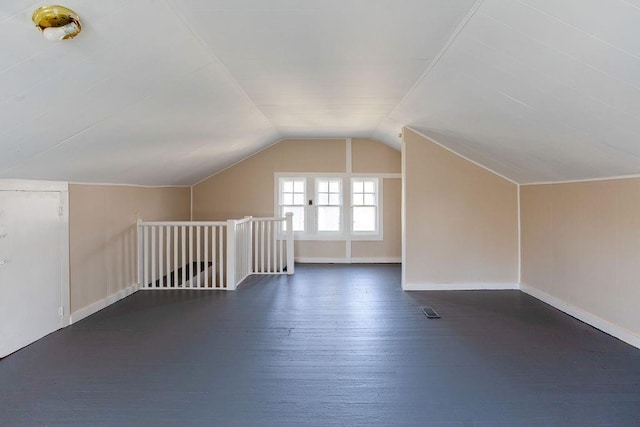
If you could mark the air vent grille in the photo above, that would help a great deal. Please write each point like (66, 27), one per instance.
(430, 313)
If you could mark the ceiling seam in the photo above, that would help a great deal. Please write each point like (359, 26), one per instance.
(597, 70)
(212, 54)
(576, 90)
(440, 54)
(87, 128)
(630, 4)
(576, 181)
(116, 184)
(537, 89)
(574, 57)
(555, 18)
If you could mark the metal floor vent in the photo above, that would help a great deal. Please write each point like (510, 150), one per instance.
(430, 313)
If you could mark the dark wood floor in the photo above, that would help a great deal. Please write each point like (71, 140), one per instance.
(332, 345)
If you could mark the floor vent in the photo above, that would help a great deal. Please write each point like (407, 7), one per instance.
(430, 313)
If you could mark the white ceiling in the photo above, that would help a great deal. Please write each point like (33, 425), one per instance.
(169, 91)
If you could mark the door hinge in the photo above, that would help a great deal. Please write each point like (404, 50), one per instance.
(60, 311)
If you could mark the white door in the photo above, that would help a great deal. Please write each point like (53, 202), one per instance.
(30, 267)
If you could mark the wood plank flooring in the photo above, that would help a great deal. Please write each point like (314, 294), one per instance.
(331, 345)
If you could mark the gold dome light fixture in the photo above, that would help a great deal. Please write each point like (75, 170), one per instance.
(57, 22)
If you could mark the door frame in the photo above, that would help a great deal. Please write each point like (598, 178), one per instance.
(54, 187)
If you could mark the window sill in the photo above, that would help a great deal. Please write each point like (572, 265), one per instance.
(338, 237)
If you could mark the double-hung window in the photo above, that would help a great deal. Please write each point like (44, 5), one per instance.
(329, 204)
(331, 207)
(364, 205)
(293, 195)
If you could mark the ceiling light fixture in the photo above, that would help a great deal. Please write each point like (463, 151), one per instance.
(57, 22)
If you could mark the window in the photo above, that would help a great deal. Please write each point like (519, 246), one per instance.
(292, 199)
(364, 205)
(329, 204)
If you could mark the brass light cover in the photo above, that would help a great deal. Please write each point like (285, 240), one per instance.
(63, 23)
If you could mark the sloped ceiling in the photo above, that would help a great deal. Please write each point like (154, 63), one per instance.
(169, 91)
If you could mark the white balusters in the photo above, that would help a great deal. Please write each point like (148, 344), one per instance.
(145, 251)
(206, 256)
(183, 254)
(290, 259)
(168, 252)
(153, 256)
(271, 246)
(231, 254)
(281, 265)
(221, 278)
(212, 255)
(174, 273)
(160, 257)
(261, 246)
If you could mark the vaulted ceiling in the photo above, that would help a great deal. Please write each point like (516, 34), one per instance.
(169, 91)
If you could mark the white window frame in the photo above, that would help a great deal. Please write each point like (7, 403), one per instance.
(280, 205)
(346, 233)
(341, 204)
(377, 205)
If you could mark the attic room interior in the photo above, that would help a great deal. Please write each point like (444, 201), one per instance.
(355, 212)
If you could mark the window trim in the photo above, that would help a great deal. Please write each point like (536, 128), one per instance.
(377, 205)
(281, 205)
(310, 217)
(341, 205)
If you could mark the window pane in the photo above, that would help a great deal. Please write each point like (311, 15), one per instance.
(334, 199)
(287, 186)
(323, 185)
(358, 199)
(298, 199)
(298, 217)
(369, 199)
(298, 186)
(323, 199)
(358, 186)
(287, 199)
(364, 219)
(334, 186)
(369, 187)
(328, 218)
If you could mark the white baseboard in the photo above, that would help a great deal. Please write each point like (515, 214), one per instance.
(376, 260)
(471, 286)
(585, 316)
(368, 260)
(99, 305)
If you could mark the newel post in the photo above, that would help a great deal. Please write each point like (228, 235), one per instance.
(231, 254)
(290, 258)
(250, 246)
(140, 253)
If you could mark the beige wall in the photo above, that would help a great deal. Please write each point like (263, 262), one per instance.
(461, 220)
(248, 188)
(370, 156)
(391, 247)
(581, 245)
(102, 235)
